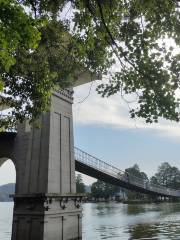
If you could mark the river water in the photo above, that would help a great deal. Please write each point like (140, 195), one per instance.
(117, 221)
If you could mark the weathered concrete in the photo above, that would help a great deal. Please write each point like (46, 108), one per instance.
(46, 205)
(47, 217)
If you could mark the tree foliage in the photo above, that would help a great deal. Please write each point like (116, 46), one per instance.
(134, 171)
(41, 50)
(17, 30)
(168, 176)
(80, 186)
(100, 189)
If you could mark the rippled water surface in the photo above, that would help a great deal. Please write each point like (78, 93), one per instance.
(120, 221)
(117, 221)
(6, 210)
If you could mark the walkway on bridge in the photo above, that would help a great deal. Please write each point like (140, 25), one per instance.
(94, 167)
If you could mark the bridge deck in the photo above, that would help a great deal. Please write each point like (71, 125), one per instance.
(96, 168)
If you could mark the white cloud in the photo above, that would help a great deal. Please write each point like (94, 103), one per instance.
(113, 112)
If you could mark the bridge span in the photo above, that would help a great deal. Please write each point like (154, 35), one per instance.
(94, 167)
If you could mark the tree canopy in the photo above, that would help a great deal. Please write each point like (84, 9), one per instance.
(80, 186)
(135, 171)
(167, 175)
(135, 43)
(100, 189)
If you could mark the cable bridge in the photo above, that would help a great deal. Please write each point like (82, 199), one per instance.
(94, 167)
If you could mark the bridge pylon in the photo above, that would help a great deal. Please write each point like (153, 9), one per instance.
(46, 206)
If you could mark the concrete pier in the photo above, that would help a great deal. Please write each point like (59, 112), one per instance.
(46, 204)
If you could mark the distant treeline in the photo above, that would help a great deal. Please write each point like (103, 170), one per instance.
(5, 191)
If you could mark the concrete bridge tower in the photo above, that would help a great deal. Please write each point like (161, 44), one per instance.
(46, 206)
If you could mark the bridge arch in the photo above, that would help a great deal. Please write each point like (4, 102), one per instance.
(7, 164)
(8, 168)
(4, 160)
(7, 176)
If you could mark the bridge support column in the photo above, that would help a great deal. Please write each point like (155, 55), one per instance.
(46, 204)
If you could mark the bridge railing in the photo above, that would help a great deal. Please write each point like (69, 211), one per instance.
(96, 163)
(104, 167)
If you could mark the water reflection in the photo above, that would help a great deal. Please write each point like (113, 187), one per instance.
(108, 209)
(143, 231)
(134, 209)
(169, 208)
(119, 221)
(165, 231)
(6, 210)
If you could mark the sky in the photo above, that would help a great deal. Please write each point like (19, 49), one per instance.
(103, 128)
